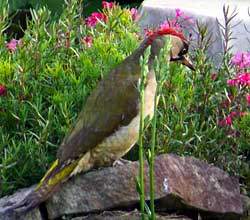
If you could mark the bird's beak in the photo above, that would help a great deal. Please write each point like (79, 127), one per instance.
(187, 62)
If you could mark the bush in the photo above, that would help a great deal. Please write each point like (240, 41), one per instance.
(45, 78)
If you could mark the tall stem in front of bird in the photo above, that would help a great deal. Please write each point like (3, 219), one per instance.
(151, 155)
(161, 69)
(142, 82)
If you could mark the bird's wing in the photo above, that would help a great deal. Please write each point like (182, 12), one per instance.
(113, 103)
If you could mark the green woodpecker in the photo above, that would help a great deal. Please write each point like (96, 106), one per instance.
(108, 125)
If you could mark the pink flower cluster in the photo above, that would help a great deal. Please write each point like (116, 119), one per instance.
(228, 120)
(178, 22)
(241, 60)
(107, 5)
(134, 13)
(94, 18)
(3, 90)
(214, 76)
(12, 45)
(97, 17)
(241, 79)
(180, 14)
(87, 41)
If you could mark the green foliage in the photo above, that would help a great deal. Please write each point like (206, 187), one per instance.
(243, 127)
(48, 78)
(55, 6)
(190, 111)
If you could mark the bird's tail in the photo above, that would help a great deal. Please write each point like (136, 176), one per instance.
(50, 183)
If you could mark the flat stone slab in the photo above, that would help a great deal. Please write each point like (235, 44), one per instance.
(134, 215)
(154, 12)
(182, 185)
(246, 207)
(180, 182)
(18, 196)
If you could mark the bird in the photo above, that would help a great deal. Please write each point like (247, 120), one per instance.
(108, 126)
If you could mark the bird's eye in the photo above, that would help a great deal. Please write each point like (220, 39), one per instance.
(184, 50)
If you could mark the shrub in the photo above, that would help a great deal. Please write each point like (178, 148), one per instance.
(45, 79)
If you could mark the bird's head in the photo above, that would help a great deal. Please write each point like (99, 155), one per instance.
(179, 45)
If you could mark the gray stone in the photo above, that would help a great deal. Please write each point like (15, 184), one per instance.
(246, 207)
(180, 182)
(18, 196)
(134, 215)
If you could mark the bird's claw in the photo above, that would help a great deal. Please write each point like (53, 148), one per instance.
(121, 162)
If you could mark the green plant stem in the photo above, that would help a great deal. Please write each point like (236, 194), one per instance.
(152, 157)
(141, 158)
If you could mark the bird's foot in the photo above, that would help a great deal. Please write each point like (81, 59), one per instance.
(121, 162)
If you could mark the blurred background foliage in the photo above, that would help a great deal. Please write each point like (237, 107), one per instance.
(45, 79)
(56, 5)
(20, 11)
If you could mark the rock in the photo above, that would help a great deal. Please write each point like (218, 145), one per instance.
(181, 183)
(32, 215)
(246, 207)
(118, 215)
(18, 196)
(154, 12)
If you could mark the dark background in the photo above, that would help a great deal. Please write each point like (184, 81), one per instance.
(20, 11)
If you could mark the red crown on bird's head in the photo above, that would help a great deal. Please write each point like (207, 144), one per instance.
(152, 34)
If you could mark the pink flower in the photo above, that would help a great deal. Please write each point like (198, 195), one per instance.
(232, 82)
(228, 120)
(88, 41)
(164, 25)
(188, 19)
(12, 45)
(178, 13)
(248, 99)
(242, 79)
(171, 23)
(234, 114)
(222, 123)
(107, 5)
(3, 90)
(94, 18)
(241, 60)
(179, 22)
(134, 13)
(214, 76)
